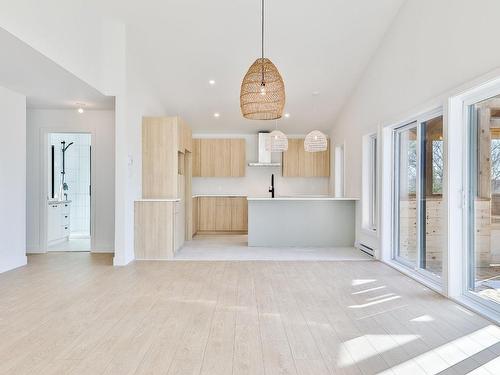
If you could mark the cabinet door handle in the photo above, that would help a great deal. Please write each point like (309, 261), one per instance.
(65, 227)
(65, 216)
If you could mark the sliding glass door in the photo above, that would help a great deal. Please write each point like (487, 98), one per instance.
(483, 203)
(418, 211)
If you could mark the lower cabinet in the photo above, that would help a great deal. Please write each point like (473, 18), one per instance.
(222, 214)
(154, 228)
(58, 219)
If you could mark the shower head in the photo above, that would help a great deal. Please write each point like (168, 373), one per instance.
(65, 148)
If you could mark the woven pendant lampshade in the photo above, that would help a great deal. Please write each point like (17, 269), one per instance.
(315, 141)
(277, 142)
(262, 95)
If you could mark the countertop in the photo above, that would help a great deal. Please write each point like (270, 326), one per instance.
(301, 198)
(58, 202)
(219, 195)
(159, 200)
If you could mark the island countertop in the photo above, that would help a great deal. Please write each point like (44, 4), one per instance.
(302, 198)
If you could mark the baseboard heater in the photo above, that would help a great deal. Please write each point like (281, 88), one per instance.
(366, 249)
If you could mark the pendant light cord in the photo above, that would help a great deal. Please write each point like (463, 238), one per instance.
(262, 44)
(262, 29)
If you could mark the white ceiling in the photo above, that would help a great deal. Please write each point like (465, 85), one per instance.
(44, 83)
(319, 46)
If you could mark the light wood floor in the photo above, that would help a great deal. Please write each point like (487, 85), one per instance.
(74, 313)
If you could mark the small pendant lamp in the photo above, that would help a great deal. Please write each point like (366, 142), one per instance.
(315, 141)
(262, 94)
(277, 141)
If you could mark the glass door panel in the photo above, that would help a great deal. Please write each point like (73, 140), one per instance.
(406, 195)
(420, 215)
(483, 261)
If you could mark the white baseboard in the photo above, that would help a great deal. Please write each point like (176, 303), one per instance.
(22, 261)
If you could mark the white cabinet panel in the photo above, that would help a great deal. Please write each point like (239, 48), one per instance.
(54, 222)
(58, 221)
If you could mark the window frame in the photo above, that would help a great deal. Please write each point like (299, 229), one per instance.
(412, 122)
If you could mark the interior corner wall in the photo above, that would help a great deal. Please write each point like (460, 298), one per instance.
(138, 101)
(431, 48)
(12, 180)
(101, 124)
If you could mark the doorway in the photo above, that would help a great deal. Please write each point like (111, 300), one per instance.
(69, 218)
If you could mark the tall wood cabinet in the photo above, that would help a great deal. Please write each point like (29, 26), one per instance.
(163, 218)
(219, 157)
(299, 163)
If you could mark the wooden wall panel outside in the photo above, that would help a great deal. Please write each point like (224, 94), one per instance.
(154, 230)
(299, 163)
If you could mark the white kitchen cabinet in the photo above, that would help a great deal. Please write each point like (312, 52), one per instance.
(58, 220)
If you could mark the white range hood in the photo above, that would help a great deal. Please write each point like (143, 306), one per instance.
(264, 155)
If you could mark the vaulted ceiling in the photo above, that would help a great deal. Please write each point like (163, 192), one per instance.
(320, 46)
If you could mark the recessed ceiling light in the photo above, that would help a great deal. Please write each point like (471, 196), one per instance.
(216, 114)
(315, 93)
(287, 115)
(211, 82)
(80, 107)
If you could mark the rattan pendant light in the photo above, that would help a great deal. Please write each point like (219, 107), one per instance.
(262, 95)
(315, 141)
(277, 141)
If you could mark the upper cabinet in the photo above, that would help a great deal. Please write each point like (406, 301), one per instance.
(299, 163)
(166, 146)
(219, 157)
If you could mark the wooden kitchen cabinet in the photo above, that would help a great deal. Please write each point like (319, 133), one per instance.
(239, 214)
(238, 157)
(222, 214)
(219, 157)
(196, 154)
(154, 230)
(299, 163)
(206, 214)
(165, 143)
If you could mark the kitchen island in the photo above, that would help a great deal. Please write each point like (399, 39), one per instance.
(305, 221)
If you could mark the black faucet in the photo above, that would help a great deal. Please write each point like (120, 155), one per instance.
(271, 188)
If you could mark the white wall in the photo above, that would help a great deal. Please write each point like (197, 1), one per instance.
(431, 48)
(12, 180)
(100, 51)
(101, 124)
(257, 179)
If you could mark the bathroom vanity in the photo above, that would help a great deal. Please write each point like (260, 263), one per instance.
(58, 221)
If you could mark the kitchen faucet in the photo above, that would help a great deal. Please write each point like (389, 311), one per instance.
(271, 188)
